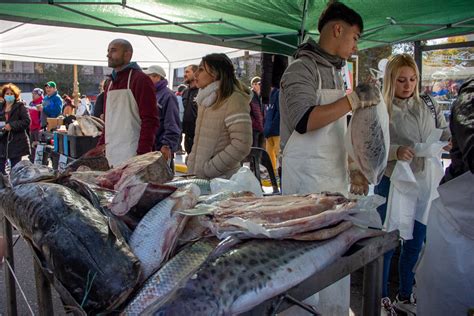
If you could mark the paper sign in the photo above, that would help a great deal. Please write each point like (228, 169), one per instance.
(62, 163)
(39, 155)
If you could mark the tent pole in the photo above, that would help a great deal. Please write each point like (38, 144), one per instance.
(418, 60)
(75, 90)
(303, 22)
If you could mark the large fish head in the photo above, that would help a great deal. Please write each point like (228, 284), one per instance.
(188, 302)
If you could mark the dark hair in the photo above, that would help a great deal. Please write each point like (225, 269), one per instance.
(339, 11)
(222, 68)
(193, 67)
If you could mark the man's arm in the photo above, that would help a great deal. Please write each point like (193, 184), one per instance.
(144, 93)
(323, 115)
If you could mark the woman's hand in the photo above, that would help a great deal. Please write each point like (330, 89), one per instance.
(405, 153)
(8, 127)
(448, 147)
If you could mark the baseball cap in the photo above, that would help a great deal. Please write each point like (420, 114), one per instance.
(38, 91)
(51, 84)
(155, 69)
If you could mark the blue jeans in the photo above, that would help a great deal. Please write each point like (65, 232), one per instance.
(410, 250)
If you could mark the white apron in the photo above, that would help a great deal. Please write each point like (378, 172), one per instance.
(122, 125)
(314, 162)
(445, 273)
(317, 161)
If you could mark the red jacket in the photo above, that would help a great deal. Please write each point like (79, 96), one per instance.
(35, 124)
(144, 93)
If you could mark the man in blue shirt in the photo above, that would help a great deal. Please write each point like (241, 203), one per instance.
(52, 103)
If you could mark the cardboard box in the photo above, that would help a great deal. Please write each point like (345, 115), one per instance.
(54, 123)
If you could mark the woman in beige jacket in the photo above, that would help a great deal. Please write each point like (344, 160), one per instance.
(223, 134)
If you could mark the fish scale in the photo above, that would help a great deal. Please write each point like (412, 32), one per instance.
(170, 275)
(252, 273)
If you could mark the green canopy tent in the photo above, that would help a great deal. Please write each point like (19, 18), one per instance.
(266, 25)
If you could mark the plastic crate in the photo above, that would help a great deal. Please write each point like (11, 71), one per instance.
(79, 145)
(60, 143)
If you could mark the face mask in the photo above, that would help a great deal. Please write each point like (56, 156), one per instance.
(9, 98)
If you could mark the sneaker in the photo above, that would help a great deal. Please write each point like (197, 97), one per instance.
(387, 307)
(407, 306)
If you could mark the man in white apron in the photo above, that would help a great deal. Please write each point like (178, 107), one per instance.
(131, 115)
(445, 274)
(313, 108)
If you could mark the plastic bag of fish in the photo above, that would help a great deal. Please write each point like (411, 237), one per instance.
(367, 139)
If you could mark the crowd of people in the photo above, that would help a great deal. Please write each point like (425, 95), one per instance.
(222, 119)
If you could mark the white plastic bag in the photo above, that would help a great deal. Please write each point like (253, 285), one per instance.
(367, 140)
(242, 180)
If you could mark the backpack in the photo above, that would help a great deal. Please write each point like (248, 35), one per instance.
(430, 104)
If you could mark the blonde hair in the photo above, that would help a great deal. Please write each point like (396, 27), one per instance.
(392, 71)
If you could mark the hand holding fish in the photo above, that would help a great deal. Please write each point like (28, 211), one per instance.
(359, 183)
(364, 95)
(405, 153)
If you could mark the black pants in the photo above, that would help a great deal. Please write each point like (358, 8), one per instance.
(188, 143)
(3, 163)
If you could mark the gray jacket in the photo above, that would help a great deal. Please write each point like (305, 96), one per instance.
(300, 82)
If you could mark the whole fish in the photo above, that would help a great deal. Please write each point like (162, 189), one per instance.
(175, 271)
(87, 263)
(253, 272)
(26, 172)
(203, 184)
(99, 163)
(156, 236)
(369, 128)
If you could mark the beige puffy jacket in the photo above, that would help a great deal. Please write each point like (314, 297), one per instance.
(223, 137)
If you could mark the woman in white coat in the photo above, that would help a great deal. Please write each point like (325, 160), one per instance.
(412, 120)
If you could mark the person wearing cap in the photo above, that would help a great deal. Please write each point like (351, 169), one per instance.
(131, 114)
(52, 103)
(35, 117)
(168, 135)
(256, 113)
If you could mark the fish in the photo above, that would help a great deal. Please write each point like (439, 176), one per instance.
(223, 195)
(175, 271)
(151, 167)
(156, 235)
(79, 252)
(253, 272)
(139, 198)
(27, 172)
(98, 198)
(89, 127)
(203, 184)
(88, 164)
(325, 233)
(275, 217)
(369, 137)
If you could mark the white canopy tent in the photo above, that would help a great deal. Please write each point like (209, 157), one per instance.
(66, 45)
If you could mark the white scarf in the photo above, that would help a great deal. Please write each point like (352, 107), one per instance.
(208, 95)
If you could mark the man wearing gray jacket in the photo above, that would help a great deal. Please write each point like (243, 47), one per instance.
(313, 108)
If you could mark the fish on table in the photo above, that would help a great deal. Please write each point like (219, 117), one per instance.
(156, 235)
(253, 272)
(170, 275)
(27, 172)
(77, 249)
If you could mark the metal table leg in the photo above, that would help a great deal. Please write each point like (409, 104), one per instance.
(9, 280)
(43, 292)
(372, 287)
